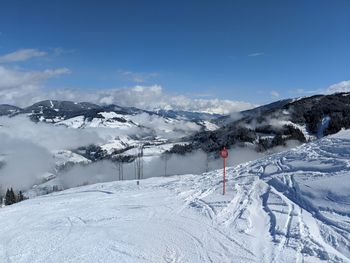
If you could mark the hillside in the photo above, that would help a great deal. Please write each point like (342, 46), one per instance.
(75, 138)
(278, 123)
(81, 133)
(289, 207)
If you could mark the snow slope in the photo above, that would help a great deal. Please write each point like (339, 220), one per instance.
(289, 207)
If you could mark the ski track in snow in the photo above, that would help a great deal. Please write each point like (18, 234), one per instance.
(289, 207)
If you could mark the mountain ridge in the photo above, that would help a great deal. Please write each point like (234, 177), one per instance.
(277, 123)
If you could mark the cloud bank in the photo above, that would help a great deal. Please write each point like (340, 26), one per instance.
(18, 86)
(22, 88)
(343, 86)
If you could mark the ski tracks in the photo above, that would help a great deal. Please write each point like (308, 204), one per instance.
(249, 192)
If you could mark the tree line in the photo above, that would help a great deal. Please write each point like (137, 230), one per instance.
(11, 197)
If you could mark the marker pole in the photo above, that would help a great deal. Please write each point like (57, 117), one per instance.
(224, 182)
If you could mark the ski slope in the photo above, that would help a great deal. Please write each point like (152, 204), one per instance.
(289, 207)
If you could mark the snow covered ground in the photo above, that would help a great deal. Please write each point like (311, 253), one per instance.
(289, 207)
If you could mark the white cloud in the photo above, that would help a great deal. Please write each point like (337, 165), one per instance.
(22, 88)
(22, 55)
(256, 54)
(15, 78)
(274, 94)
(144, 97)
(16, 85)
(343, 86)
(307, 92)
(137, 77)
(154, 97)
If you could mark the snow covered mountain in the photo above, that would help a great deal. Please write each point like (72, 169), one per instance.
(73, 135)
(6, 109)
(121, 128)
(55, 111)
(278, 123)
(289, 207)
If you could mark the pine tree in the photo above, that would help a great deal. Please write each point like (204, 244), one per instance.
(20, 196)
(13, 196)
(10, 197)
(7, 197)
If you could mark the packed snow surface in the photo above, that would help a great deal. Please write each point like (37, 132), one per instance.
(289, 207)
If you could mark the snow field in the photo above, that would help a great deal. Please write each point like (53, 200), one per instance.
(289, 207)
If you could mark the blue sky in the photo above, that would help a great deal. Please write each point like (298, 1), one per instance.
(254, 51)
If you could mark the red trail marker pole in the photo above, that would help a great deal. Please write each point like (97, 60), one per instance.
(224, 155)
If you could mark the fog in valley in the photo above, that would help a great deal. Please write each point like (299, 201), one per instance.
(26, 154)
